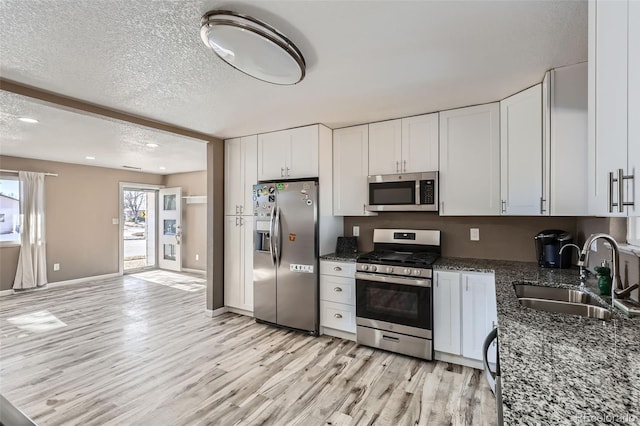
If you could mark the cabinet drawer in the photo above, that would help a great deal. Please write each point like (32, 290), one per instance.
(338, 316)
(339, 269)
(338, 289)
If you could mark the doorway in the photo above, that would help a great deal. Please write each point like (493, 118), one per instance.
(139, 237)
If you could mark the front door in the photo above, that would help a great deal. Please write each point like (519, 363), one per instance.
(170, 229)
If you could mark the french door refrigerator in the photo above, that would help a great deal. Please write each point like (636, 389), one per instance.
(285, 261)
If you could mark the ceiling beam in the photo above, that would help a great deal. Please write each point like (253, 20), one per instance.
(86, 107)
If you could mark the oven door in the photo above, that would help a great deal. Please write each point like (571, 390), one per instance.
(392, 303)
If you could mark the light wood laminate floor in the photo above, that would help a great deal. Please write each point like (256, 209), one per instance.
(128, 351)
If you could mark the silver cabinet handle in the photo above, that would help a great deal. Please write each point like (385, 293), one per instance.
(288, 171)
(620, 190)
(337, 268)
(236, 220)
(404, 169)
(391, 339)
(610, 192)
(241, 220)
(281, 171)
(337, 316)
(542, 209)
(337, 289)
(504, 206)
(397, 166)
(236, 209)
(241, 209)
(442, 207)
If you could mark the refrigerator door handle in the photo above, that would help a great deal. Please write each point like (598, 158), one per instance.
(271, 244)
(277, 244)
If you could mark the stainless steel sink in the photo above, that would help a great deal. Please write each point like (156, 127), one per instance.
(552, 293)
(570, 308)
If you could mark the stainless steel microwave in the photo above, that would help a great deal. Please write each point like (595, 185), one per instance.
(403, 192)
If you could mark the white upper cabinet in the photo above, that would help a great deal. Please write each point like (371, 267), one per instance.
(288, 154)
(470, 161)
(385, 147)
(613, 107)
(350, 170)
(420, 143)
(241, 171)
(408, 145)
(521, 159)
(566, 170)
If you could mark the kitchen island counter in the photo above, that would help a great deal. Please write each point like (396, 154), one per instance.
(557, 368)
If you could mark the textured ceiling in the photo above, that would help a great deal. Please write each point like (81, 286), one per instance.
(367, 60)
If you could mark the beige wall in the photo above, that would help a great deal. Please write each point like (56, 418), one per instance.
(194, 218)
(81, 203)
(215, 225)
(502, 238)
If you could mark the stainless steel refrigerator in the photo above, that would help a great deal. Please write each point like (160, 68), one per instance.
(285, 260)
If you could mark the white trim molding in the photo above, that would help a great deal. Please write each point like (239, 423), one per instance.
(6, 292)
(215, 312)
(82, 280)
(194, 271)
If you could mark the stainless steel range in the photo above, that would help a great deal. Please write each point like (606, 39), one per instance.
(394, 296)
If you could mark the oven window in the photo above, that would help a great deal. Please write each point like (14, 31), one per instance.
(392, 193)
(392, 302)
(395, 303)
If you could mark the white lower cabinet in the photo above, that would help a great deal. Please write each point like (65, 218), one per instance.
(238, 262)
(464, 313)
(338, 299)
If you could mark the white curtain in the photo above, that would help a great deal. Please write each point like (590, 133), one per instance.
(32, 263)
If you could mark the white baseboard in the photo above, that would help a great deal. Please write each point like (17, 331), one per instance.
(84, 280)
(239, 311)
(338, 333)
(457, 359)
(215, 312)
(6, 292)
(194, 271)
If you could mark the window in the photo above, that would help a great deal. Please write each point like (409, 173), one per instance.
(9, 210)
(633, 230)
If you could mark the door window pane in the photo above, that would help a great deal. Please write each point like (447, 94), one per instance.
(169, 251)
(9, 210)
(169, 227)
(169, 202)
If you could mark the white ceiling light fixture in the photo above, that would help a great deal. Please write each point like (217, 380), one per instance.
(28, 120)
(152, 145)
(253, 47)
(90, 157)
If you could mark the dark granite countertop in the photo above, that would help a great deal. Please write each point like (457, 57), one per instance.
(349, 257)
(560, 369)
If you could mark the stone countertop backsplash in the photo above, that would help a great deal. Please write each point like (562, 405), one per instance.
(348, 257)
(560, 369)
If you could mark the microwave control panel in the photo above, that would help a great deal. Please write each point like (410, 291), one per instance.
(427, 191)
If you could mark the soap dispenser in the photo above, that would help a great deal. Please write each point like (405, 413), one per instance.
(604, 278)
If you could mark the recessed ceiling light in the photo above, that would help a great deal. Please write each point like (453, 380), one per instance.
(89, 157)
(162, 168)
(253, 47)
(152, 145)
(28, 120)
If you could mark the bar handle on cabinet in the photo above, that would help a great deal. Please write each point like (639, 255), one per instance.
(241, 209)
(337, 289)
(442, 207)
(236, 220)
(236, 209)
(404, 162)
(288, 171)
(397, 167)
(542, 209)
(337, 316)
(620, 190)
(241, 221)
(504, 206)
(281, 171)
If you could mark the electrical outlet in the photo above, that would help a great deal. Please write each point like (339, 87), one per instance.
(56, 266)
(356, 231)
(197, 257)
(474, 234)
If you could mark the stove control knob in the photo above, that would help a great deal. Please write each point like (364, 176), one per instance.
(374, 268)
(407, 271)
(365, 267)
(416, 272)
(389, 269)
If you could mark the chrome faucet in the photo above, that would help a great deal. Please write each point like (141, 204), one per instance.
(583, 270)
(617, 289)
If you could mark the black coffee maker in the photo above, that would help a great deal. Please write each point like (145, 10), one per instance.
(548, 245)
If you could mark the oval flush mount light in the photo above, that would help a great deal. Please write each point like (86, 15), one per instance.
(253, 47)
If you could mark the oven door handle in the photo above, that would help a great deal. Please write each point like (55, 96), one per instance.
(392, 279)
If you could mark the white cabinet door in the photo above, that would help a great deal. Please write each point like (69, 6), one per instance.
(420, 143)
(232, 176)
(273, 155)
(470, 161)
(567, 170)
(446, 312)
(479, 312)
(608, 72)
(350, 170)
(634, 107)
(238, 262)
(385, 147)
(303, 157)
(233, 281)
(521, 153)
(249, 173)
